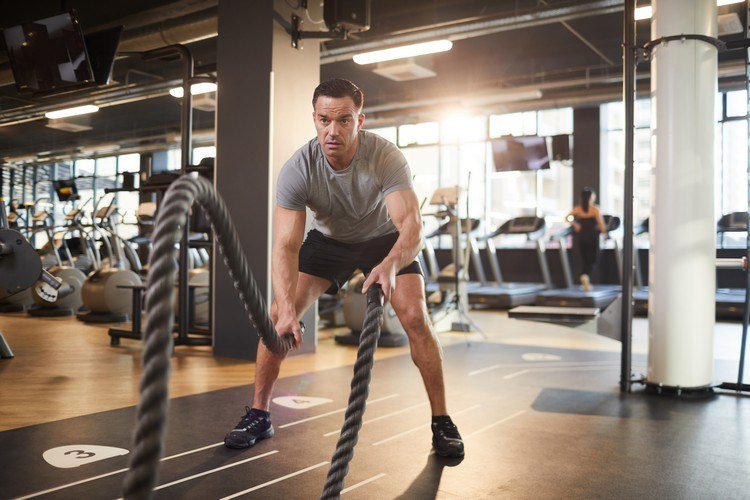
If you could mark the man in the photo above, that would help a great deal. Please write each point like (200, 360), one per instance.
(366, 216)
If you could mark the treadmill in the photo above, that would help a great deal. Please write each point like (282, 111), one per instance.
(730, 302)
(600, 296)
(501, 294)
(428, 259)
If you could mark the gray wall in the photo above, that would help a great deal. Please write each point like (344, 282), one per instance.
(586, 150)
(259, 123)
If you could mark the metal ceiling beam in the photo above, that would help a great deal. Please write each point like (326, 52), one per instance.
(560, 12)
(587, 85)
(583, 39)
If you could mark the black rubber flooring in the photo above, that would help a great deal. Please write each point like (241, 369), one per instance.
(538, 423)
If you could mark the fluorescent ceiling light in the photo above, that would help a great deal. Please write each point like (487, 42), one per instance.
(417, 49)
(195, 89)
(646, 11)
(78, 110)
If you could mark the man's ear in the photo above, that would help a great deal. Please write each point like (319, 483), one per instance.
(360, 121)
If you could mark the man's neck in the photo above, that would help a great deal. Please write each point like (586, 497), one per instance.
(344, 163)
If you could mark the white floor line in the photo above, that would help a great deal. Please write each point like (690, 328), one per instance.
(362, 483)
(332, 412)
(274, 481)
(543, 369)
(192, 451)
(484, 370)
(120, 471)
(482, 429)
(515, 374)
(572, 368)
(211, 471)
(531, 364)
(409, 431)
(39, 493)
(408, 408)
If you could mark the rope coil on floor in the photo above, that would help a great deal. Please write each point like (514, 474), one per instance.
(141, 477)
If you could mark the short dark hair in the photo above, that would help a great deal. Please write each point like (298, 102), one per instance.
(339, 87)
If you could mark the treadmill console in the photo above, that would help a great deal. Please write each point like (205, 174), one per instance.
(524, 225)
(611, 222)
(734, 222)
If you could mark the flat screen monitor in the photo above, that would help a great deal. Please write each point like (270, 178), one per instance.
(102, 47)
(66, 189)
(48, 55)
(561, 147)
(520, 153)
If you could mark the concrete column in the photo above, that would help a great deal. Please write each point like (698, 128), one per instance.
(682, 274)
(260, 121)
(586, 150)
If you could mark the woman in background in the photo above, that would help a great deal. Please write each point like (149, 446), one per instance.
(587, 224)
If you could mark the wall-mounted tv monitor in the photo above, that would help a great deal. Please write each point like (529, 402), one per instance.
(520, 153)
(48, 55)
(101, 48)
(561, 147)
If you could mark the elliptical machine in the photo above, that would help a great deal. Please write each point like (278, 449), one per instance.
(68, 299)
(107, 292)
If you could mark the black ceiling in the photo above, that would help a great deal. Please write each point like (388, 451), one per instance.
(520, 57)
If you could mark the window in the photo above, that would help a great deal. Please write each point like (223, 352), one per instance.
(84, 167)
(203, 152)
(513, 124)
(463, 129)
(613, 159)
(419, 133)
(555, 121)
(173, 159)
(730, 155)
(424, 162)
(734, 173)
(737, 103)
(387, 133)
(129, 163)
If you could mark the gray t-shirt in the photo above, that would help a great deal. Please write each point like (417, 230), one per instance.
(348, 205)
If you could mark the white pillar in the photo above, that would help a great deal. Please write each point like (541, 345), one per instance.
(682, 275)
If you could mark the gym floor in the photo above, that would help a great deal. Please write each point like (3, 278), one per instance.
(536, 403)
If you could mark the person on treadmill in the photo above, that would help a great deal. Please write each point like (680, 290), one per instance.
(587, 224)
(365, 216)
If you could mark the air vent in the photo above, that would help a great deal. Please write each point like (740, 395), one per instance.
(403, 70)
(72, 124)
(730, 24)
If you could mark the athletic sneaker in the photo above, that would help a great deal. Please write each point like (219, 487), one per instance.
(445, 438)
(254, 426)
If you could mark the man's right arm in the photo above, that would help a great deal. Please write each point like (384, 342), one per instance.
(288, 232)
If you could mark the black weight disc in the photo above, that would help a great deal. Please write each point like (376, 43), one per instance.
(21, 268)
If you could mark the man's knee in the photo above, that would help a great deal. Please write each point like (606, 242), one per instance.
(414, 319)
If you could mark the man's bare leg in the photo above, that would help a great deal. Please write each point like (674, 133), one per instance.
(267, 366)
(408, 300)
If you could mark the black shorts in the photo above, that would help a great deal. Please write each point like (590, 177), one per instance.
(337, 261)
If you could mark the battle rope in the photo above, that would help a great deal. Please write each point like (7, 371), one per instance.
(368, 341)
(152, 408)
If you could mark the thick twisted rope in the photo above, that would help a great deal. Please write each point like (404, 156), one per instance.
(152, 409)
(357, 397)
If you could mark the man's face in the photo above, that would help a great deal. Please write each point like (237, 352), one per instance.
(337, 122)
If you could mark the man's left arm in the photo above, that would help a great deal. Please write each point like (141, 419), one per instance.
(403, 208)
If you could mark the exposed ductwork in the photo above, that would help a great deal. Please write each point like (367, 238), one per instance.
(559, 12)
